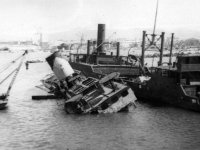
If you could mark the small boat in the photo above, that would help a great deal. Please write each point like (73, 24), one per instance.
(3, 102)
(35, 61)
(86, 95)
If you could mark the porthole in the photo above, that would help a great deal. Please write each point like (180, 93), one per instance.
(114, 99)
(104, 106)
(124, 93)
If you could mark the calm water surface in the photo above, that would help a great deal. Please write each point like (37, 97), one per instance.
(28, 124)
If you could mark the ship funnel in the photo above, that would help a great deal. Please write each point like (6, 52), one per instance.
(100, 38)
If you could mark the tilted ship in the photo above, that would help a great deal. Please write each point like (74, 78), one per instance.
(86, 95)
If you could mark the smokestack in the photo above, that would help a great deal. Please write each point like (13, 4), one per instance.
(143, 48)
(100, 38)
(162, 48)
(88, 48)
(118, 50)
(171, 48)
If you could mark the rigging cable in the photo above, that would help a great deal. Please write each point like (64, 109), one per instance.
(6, 66)
(8, 76)
(155, 18)
(15, 75)
(104, 42)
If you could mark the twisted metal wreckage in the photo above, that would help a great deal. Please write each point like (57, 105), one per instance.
(87, 95)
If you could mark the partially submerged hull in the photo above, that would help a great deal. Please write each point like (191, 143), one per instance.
(85, 95)
(165, 89)
(123, 104)
(108, 101)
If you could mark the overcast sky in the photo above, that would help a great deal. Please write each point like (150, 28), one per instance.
(25, 18)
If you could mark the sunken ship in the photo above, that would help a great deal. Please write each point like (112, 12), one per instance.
(85, 94)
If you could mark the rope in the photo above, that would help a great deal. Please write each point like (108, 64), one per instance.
(12, 82)
(155, 18)
(8, 76)
(3, 69)
(6, 66)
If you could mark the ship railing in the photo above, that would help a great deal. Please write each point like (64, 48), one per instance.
(188, 67)
(152, 69)
(101, 59)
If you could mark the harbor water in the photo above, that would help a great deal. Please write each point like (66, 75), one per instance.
(43, 125)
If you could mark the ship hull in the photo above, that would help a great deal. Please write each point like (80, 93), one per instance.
(3, 105)
(95, 70)
(165, 89)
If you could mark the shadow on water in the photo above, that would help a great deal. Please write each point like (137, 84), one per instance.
(163, 106)
(152, 103)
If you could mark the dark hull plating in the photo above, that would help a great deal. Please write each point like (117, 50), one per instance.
(164, 89)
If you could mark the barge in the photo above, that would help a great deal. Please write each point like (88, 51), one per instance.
(100, 61)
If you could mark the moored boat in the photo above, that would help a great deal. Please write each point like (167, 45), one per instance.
(100, 61)
(3, 102)
(178, 85)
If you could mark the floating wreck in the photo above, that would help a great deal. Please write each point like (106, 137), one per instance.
(86, 95)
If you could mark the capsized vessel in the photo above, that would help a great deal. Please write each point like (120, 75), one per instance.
(85, 95)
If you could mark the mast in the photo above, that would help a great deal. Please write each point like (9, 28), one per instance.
(154, 28)
(171, 48)
(155, 18)
(151, 41)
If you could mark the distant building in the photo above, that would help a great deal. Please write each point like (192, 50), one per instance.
(26, 43)
(128, 43)
(9, 43)
(16, 42)
(15, 46)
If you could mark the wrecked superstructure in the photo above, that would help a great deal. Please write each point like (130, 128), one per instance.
(85, 95)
